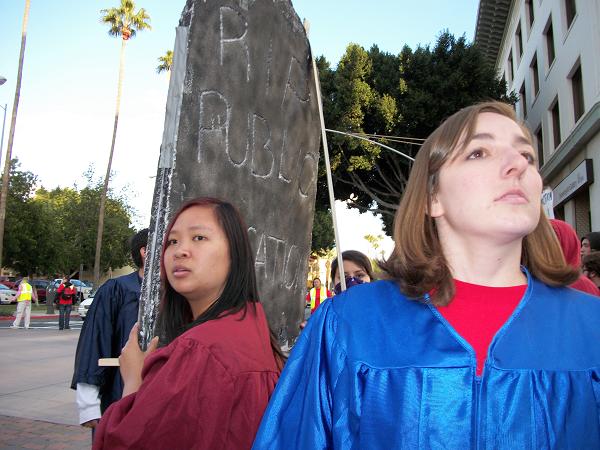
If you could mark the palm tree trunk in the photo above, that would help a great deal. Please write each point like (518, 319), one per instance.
(107, 177)
(11, 134)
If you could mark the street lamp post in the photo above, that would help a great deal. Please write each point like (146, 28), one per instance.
(3, 123)
(2, 81)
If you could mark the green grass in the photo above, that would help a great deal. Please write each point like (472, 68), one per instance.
(9, 310)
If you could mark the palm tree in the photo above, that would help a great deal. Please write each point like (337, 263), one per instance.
(166, 62)
(11, 133)
(124, 22)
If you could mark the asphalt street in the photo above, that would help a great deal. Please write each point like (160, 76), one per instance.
(37, 406)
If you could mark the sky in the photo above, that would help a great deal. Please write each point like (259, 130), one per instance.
(69, 85)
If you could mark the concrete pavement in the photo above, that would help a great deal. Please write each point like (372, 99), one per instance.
(37, 407)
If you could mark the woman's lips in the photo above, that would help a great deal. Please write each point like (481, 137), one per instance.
(180, 272)
(514, 196)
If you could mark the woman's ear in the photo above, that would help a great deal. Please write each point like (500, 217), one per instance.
(436, 209)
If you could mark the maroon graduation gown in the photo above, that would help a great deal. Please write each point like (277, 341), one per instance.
(208, 389)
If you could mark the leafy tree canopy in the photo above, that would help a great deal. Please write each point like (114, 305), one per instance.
(323, 237)
(54, 232)
(404, 95)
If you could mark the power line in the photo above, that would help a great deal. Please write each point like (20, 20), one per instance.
(371, 141)
(393, 137)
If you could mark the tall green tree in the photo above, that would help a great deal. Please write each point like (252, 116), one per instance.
(53, 232)
(11, 133)
(26, 245)
(406, 95)
(323, 238)
(73, 215)
(123, 22)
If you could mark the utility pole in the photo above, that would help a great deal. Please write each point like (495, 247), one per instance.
(11, 134)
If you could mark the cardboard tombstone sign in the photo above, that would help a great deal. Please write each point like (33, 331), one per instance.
(242, 125)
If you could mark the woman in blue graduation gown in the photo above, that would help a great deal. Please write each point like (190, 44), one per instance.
(473, 341)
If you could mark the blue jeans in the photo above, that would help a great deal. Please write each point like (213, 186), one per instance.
(64, 314)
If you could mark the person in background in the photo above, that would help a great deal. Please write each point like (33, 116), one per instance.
(569, 242)
(67, 295)
(591, 267)
(25, 293)
(357, 270)
(590, 243)
(209, 383)
(105, 331)
(317, 294)
(474, 339)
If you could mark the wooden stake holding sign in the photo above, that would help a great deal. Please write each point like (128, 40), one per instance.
(327, 167)
(108, 362)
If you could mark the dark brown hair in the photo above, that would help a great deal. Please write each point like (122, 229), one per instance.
(175, 315)
(418, 263)
(591, 262)
(358, 258)
(594, 240)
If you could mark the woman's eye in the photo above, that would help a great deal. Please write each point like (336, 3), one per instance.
(529, 157)
(199, 238)
(476, 154)
(171, 242)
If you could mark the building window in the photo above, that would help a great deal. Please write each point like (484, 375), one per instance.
(555, 114)
(549, 36)
(570, 11)
(577, 89)
(511, 72)
(539, 139)
(523, 100)
(535, 74)
(529, 12)
(519, 41)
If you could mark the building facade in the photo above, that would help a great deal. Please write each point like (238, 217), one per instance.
(548, 51)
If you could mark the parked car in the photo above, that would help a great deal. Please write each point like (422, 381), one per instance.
(40, 287)
(7, 295)
(84, 306)
(9, 282)
(83, 291)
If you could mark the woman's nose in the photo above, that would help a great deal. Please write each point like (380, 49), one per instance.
(181, 252)
(514, 162)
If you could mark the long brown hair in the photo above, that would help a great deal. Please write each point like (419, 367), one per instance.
(418, 263)
(240, 290)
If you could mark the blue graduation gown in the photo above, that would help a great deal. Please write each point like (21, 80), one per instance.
(374, 369)
(105, 331)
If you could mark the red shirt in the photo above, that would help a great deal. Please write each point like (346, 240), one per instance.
(66, 295)
(478, 312)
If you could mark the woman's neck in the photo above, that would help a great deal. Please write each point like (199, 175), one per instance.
(199, 304)
(487, 264)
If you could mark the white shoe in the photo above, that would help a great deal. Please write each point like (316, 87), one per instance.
(14, 327)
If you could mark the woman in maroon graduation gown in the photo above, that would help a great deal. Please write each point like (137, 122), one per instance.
(209, 383)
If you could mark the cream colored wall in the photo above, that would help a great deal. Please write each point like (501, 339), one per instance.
(580, 42)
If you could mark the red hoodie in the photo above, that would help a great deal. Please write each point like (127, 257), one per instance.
(571, 248)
